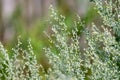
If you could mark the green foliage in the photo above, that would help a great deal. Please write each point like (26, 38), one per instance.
(110, 13)
(21, 66)
(99, 61)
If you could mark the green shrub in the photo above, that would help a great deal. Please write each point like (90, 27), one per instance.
(99, 61)
(21, 66)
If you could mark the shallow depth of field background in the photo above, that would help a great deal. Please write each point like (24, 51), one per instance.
(30, 19)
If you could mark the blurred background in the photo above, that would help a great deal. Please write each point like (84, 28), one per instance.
(30, 18)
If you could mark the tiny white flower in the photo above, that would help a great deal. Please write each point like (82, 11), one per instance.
(119, 16)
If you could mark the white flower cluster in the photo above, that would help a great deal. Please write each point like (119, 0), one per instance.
(21, 66)
(99, 61)
(109, 11)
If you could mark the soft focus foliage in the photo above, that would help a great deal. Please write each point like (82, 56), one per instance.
(99, 61)
(110, 13)
(21, 66)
